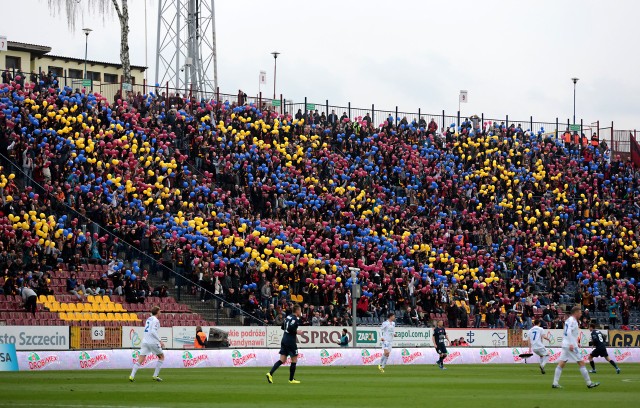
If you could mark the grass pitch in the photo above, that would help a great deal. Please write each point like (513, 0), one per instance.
(465, 386)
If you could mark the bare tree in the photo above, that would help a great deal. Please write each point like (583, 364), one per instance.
(105, 8)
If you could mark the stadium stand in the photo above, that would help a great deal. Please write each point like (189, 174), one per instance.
(242, 206)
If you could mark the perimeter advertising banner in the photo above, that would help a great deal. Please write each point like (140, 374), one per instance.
(132, 336)
(8, 357)
(620, 338)
(238, 336)
(36, 337)
(123, 359)
(422, 337)
(326, 337)
(556, 335)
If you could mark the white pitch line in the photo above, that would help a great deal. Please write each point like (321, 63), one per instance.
(13, 404)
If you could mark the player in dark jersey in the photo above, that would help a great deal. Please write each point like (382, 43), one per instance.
(288, 345)
(439, 336)
(600, 350)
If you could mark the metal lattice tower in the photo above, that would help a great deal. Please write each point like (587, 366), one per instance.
(186, 46)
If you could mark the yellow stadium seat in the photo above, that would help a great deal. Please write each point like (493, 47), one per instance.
(110, 317)
(91, 299)
(105, 299)
(51, 299)
(63, 316)
(133, 317)
(80, 307)
(118, 307)
(109, 307)
(54, 307)
(102, 317)
(119, 317)
(42, 299)
(72, 307)
(94, 317)
(64, 307)
(86, 316)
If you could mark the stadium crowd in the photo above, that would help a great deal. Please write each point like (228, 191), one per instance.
(484, 223)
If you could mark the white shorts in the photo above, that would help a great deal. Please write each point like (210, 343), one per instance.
(149, 348)
(569, 356)
(540, 352)
(387, 345)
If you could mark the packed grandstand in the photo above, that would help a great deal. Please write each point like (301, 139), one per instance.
(111, 205)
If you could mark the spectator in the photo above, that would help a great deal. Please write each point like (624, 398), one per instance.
(29, 298)
(73, 288)
(265, 293)
(103, 286)
(452, 315)
(413, 319)
(614, 310)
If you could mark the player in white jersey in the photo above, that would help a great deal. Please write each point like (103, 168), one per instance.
(536, 335)
(570, 349)
(151, 344)
(387, 331)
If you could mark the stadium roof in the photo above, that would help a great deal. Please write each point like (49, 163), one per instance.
(43, 50)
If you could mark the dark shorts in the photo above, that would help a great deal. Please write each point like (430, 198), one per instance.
(441, 348)
(288, 349)
(599, 352)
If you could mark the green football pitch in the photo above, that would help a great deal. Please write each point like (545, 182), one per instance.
(466, 386)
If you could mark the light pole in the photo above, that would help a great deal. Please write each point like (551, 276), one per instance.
(86, 32)
(275, 67)
(575, 81)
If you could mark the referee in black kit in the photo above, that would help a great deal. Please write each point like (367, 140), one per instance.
(288, 346)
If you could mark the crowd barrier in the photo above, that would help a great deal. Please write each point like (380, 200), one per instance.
(248, 337)
(123, 358)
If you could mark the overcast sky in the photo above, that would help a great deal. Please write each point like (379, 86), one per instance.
(514, 57)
